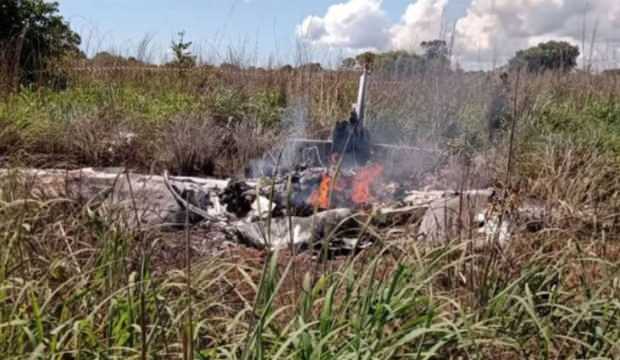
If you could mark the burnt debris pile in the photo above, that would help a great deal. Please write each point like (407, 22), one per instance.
(335, 194)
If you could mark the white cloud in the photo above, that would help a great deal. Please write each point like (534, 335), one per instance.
(493, 30)
(357, 24)
(490, 32)
(363, 24)
(423, 20)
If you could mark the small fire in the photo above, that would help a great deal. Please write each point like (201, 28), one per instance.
(320, 198)
(360, 185)
(362, 182)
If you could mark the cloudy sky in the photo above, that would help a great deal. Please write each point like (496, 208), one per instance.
(484, 32)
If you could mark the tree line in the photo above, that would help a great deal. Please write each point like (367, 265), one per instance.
(34, 37)
(546, 56)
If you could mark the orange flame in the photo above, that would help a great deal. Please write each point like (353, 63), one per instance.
(320, 197)
(362, 182)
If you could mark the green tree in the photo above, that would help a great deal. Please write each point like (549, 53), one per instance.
(548, 56)
(400, 63)
(403, 63)
(435, 50)
(287, 68)
(367, 58)
(436, 55)
(105, 58)
(34, 35)
(348, 64)
(182, 55)
(310, 67)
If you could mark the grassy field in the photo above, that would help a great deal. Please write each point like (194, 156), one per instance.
(74, 284)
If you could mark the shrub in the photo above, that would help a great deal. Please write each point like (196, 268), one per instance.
(191, 145)
(549, 56)
(36, 35)
(267, 106)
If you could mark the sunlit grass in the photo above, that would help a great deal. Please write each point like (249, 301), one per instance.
(77, 283)
(74, 284)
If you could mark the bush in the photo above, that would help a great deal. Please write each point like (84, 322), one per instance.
(549, 56)
(191, 145)
(267, 106)
(595, 125)
(33, 32)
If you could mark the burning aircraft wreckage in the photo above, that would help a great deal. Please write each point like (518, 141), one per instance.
(334, 195)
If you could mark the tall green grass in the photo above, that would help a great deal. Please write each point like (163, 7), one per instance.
(76, 282)
(73, 284)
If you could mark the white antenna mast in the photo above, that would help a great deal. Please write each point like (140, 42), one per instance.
(361, 96)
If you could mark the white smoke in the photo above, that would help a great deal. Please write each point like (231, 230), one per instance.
(284, 156)
(489, 33)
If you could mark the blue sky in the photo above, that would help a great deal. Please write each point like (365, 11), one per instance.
(262, 27)
(486, 33)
